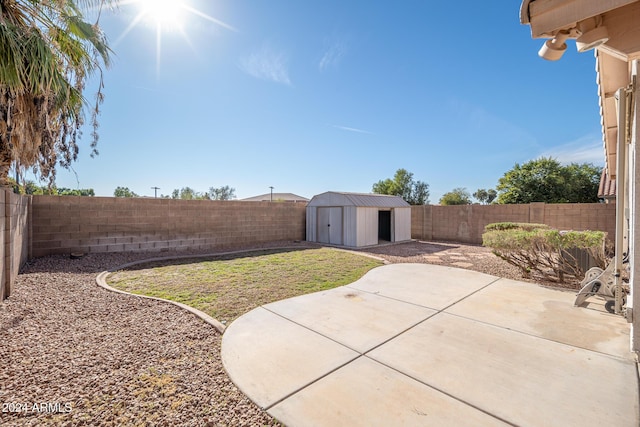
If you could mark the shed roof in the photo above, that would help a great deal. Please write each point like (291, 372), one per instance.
(336, 198)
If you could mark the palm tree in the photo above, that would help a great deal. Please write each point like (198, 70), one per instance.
(47, 52)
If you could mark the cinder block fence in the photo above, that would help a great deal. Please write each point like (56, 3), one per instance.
(15, 235)
(34, 226)
(466, 223)
(107, 224)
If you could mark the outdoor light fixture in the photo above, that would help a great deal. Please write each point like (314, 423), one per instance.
(589, 34)
(592, 39)
(554, 48)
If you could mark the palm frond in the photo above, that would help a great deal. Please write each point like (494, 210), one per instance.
(47, 51)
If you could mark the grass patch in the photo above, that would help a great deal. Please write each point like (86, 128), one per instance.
(226, 287)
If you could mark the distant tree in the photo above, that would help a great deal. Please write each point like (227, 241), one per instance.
(222, 193)
(13, 184)
(185, 193)
(582, 182)
(492, 194)
(188, 193)
(31, 187)
(485, 196)
(403, 185)
(546, 180)
(480, 195)
(457, 196)
(419, 194)
(124, 192)
(87, 192)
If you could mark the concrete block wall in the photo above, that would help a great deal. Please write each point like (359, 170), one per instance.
(570, 216)
(15, 237)
(466, 223)
(105, 224)
(5, 284)
(62, 225)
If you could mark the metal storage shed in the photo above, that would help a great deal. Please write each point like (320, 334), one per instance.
(356, 220)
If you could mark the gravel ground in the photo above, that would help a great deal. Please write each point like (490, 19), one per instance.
(75, 354)
(470, 257)
(72, 353)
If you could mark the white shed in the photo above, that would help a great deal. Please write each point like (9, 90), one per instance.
(356, 220)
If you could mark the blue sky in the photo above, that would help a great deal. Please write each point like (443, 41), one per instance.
(326, 95)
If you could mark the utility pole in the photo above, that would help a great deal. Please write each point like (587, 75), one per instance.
(271, 187)
(155, 191)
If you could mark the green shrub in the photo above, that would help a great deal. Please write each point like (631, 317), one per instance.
(514, 225)
(542, 251)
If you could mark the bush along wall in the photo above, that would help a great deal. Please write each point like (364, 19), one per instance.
(545, 253)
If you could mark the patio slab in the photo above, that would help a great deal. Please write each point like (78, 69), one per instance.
(548, 313)
(356, 319)
(269, 357)
(431, 286)
(438, 346)
(346, 397)
(525, 380)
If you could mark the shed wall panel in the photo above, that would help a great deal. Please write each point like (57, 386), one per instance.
(351, 226)
(367, 226)
(312, 220)
(401, 224)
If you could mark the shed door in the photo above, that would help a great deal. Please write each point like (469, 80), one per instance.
(384, 225)
(330, 225)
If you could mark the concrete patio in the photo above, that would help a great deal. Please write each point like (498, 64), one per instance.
(417, 344)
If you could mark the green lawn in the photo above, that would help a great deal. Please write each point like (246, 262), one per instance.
(228, 286)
